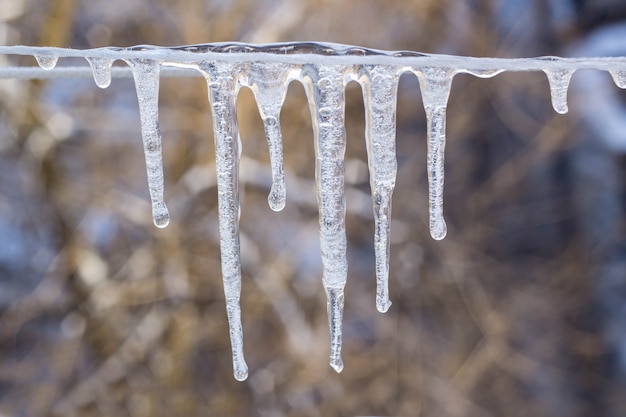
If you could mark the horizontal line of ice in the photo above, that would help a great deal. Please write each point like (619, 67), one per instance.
(38, 73)
(299, 53)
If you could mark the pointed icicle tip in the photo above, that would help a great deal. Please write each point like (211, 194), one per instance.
(47, 62)
(559, 83)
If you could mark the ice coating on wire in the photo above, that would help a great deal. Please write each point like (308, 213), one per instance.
(324, 69)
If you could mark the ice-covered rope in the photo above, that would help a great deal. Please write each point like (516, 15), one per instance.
(324, 69)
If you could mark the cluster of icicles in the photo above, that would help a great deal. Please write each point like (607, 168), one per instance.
(324, 70)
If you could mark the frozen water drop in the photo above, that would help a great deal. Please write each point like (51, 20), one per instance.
(619, 77)
(47, 62)
(380, 85)
(559, 83)
(101, 68)
(160, 216)
(146, 76)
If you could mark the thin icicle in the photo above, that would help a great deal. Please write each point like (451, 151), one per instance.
(223, 100)
(619, 77)
(101, 68)
(325, 92)
(269, 85)
(380, 86)
(47, 62)
(435, 85)
(559, 82)
(146, 76)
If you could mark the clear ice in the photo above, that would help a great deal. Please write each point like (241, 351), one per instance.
(325, 88)
(223, 99)
(146, 76)
(47, 62)
(435, 85)
(559, 83)
(380, 86)
(101, 68)
(324, 70)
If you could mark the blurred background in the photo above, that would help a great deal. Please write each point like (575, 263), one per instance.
(520, 311)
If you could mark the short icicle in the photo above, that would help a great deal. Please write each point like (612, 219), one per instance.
(380, 87)
(619, 78)
(223, 101)
(435, 85)
(269, 85)
(146, 76)
(559, 83)
(325, 91)
(47, 62)
(101, 68)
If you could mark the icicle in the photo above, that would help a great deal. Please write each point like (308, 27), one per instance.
(619, 77)
(146, 75)
(223, 100)
(325, 92)
(47, 62)
(101, 68)
(435, 85)
(380, 85)
(559, 82)
(269, 85)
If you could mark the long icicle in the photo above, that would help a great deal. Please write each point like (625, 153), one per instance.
(325, 92)
(380, 87)
(223, 101)
(146, 76)
(269, 85)
(435, 85)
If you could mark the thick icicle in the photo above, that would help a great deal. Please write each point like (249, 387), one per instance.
(47, 62)
(146, 75)
(435, 85)
(619, 77)
(325, 91)
(559, 82)
(101, 68)
(269, 85)
(380, 86)
(223, 100)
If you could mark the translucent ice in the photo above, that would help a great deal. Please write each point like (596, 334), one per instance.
(223, 99)
(325, 91)
(559, 83)
(435, 85)
(47, 62)
(101, 68)
(380, 85)
(146, 75)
